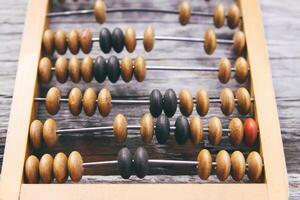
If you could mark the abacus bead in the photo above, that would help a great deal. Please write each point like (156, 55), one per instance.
(60, 167)
(75, 101)
(233, 16)
(48, 41)
(204, 164)
(184, 12)
(52, 101)
(219, 16)
(241, 70)
(214, 131)
(224, 70)
(162, 129)
(85, 40)
(255, 166)
(250, 132)
(32, 169)
(74, 69)
(243, 100)
(149, 38)
(238, 165)
(196, 130)
(239, 42)
(126, 69)
(223, 165)
(100, 69)
(170, 102)
(45, 74)
(210, 41)
(227, 101)
(186, 102)
(182, 130)
(89, 102)
(75, 168)
(87, 69)
(125, 164)
(61, 69)
(100, 11)
(105, 40)
(236, 131)
(49, 133)
(140, 69)
(73, 41)
(104, 102)
(130, 39)
(147, 128)
(46, 168)
(202, 102)
(60, 41)
(35, 134)
(120, 128)
(156, 103)
(117, 37)
(141, 163)
(113, 69)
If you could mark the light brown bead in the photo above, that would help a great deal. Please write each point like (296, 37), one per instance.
(210, 41)
(149, 38)
(75, 101)
(60, 167)
(140, 69)
(196, 130)
(185, 11)
(219, 16)
(120, 128)
(74, 69)
(44, 69)
(46, 168)
(223, 165)
(100, 11)
(87, 69)
(241, 70)
(238, 165)
(60, 41)
(130, 39)
(52, 101)
(227, 101)
(236, 134)
(75, 166)
(36, 133)
(126, 69)
(239, 42)
(49, 133)
(61, 69)
(104, 102)
(233, 16)
(255, 166)
(48, 41)
(147, 128)
(85, 40)
(186, 102)
(243, 100)
(202, 102)
(214, 131)
(204, 164)
(89, 101)
(32, 169)
(224, 70)
(73, 41)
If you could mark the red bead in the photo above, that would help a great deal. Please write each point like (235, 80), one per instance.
(250, 131)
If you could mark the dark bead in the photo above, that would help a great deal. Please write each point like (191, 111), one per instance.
(156, 103)
(105, 40)
(182, 130)
(117, 40)
(170, 102)
(100, 69)
(113, 69)
(125, 165)
(141, 164)
(162, 129)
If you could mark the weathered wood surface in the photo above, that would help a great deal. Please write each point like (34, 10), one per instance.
(283, 43)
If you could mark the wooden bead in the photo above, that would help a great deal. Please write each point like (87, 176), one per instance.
(32, 169)
(60, 167)
(89, 102)
(104, 102)
(117, 38)
(52, 101)
(44, 69)
(156, 103)
(255, 166)
(223, 165)
(186, 102)
(238, 165)
(147, 128)
(236, 134)
(49, 133)
(162, 129)
(202, 102)
(141, 163)
(196, 130)
(48, 41)
(182, 130)
(60, 41)
(140, 69)
(250, 132)
(75, 101)
(210, 41)
(241, 70)
(74, 69)
(227, 101)
(73, 41)
(149, 38)
(61, 69)
(204, 164)
(233, 16)
(126, 69)
(184, 12)
(85, 40)
(130, 39)
(170, 103)
(113, 69)
(75, 166)
(243, 100)
(35, 134)
(120, 128)
(87, 69)
(224, 70)
(214, 131)
(100, 11)
(46, 168)
(239, 42)
(125, 164)
(219, 16)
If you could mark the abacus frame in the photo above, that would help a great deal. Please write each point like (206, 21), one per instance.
(23, 111)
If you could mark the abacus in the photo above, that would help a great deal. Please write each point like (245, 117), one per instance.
(195, 154)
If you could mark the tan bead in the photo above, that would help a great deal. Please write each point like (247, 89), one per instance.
(238, 165)
(75, 101)
(89, 101)
(185, 11)
(100, 11)
(214, 131)
(255, 166)
(140, 69)
(239, 42)
(219, 16)
(87, 69)
(223, 165)
(52, 101)
(241, 70)
(44, 69)
(46, 168)
(236, 134)
(126, 69)
(74, 69)
(186, 102)
(210, 41)
(243, 100)
(104, 102)
(147, 128)
(227, 101)
(60, 41)
(61, 69)
(75, 166)
(49, 133)
(120, 128)
(48, 41)
(73, 41)
(202, 102)
(196, 130)
(204, 164)
(233, 16)
(130, 39)
(32, 169)
(60, 167)
(85, 40)
(35, 134)
(224, 70)
(149, 38)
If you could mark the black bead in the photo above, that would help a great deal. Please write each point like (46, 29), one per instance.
(182, 130)
(162, 129)
(100, 69)
(105, 40)
(117, 40)
(141, 164)
(170, 102)
(156, 103)
(125, 165)
(113, 69)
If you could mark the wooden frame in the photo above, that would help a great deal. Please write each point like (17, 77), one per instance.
(23, 111)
